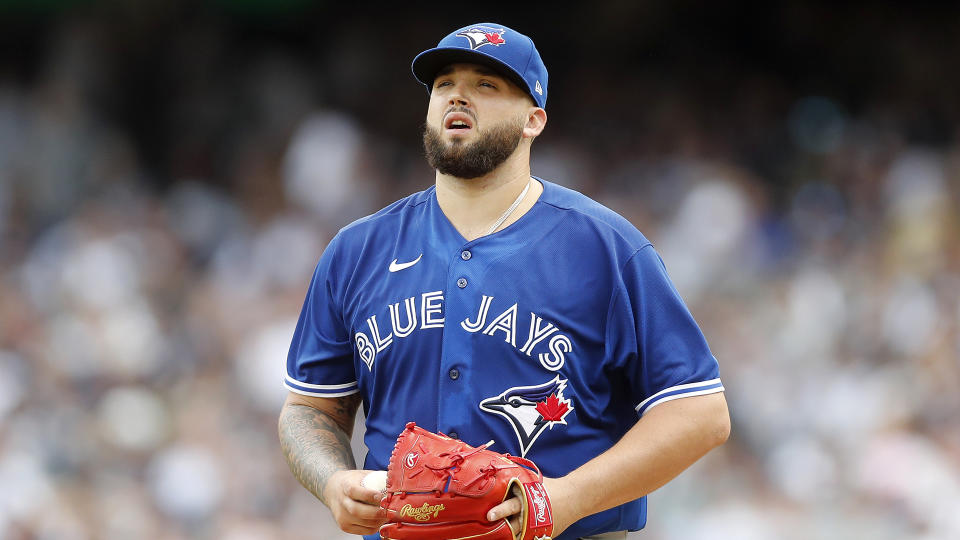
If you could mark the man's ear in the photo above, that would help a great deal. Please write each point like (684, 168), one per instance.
(536, 121)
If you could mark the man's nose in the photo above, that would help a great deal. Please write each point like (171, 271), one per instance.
(458, 95)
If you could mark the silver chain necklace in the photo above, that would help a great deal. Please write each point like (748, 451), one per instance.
(513, 207)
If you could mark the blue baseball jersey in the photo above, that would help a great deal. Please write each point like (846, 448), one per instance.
(551, 337)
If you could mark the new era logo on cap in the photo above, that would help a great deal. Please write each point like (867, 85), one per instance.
(503, 49)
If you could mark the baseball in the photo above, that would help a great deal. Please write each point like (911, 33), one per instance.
(376, 480)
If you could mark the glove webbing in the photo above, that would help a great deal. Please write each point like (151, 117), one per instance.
(456, 458)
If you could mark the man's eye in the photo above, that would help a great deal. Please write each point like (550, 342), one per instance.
(490, 85)
(442, 83)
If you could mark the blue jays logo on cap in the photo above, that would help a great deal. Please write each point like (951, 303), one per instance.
(479, 36)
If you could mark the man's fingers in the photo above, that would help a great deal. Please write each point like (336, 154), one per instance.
(355, 506)
(360, 493)
(362, 504)
(366, 514)
(508, 507)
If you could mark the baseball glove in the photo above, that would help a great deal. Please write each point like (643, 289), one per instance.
(440, 488)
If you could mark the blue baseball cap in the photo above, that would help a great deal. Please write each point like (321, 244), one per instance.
(507, 51)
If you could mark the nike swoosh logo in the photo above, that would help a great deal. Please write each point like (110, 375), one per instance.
(396, 267)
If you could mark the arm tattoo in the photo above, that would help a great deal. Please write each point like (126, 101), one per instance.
(315, 444)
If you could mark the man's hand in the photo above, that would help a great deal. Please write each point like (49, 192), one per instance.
(562, 501)
(355, 507)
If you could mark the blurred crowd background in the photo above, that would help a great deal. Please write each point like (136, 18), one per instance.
(170, 172)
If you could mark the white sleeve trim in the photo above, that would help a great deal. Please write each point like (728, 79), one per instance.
(680, 396)
(321, 394)
(291, 380)
(679, 391)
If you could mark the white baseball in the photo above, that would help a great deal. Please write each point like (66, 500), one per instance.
(377, 481)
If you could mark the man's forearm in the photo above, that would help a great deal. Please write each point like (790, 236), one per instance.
(314, 445)
(669, 438)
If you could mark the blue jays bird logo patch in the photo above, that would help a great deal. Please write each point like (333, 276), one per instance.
(531, 409)
(482, 35)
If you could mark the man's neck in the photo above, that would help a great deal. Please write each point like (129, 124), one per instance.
(474, 205)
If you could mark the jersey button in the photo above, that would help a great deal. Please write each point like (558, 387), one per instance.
(453, 435)
(454, 373)
(465, 255)
(462, 283)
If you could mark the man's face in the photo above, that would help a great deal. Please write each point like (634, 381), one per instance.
(474, 122)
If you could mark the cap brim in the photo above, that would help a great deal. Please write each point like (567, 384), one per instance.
(428, 63)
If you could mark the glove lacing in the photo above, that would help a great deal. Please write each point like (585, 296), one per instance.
(456, 459)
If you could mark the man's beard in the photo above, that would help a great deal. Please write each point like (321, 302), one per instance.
(472, 160)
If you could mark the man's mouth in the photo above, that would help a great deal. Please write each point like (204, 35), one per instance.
(458, 122)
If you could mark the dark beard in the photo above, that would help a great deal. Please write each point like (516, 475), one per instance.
(464, 160)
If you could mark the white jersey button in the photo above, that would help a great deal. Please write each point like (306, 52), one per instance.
(465, 255)
(462, 282)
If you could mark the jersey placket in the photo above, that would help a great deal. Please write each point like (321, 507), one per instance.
(461, 300)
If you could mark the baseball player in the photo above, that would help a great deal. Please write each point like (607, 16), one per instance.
(498, 305)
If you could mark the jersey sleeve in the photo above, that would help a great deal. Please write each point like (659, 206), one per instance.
(654, 338)
(320, 360)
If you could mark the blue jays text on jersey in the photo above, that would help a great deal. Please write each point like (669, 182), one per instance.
(551, 336)
(404, 321)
